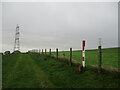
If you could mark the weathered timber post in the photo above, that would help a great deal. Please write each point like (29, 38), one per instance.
(70, 62)
(57, 53)
(99, 59)
(50, 52)
(42, 51)
(45, 51)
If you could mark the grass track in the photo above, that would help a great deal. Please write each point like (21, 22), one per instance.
(25, 73)
(39, 71)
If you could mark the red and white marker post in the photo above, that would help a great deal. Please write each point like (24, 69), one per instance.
(83, 53)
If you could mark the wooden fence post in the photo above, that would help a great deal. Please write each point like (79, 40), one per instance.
(42, 51)
(99, 58)
(50, 51)
(45, 51)
(70, 62)
(39, 51)
(57, 53)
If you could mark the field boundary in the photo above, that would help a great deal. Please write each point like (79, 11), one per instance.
(75, 62)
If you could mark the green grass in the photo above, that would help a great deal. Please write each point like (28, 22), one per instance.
(109, 57)
(39, 71)
(20, 71)
(0, 71)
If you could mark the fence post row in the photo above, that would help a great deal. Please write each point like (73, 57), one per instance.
(83, 55)
(57, 53)
(99, 58)
(70, 63)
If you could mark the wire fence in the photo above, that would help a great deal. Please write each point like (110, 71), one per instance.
(109, 57)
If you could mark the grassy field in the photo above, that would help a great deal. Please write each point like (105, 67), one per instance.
(39, 71)
(109, 57)
(0, 71)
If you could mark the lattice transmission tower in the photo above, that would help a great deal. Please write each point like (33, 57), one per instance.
(17, 42)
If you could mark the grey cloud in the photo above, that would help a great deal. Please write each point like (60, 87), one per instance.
(62, 25)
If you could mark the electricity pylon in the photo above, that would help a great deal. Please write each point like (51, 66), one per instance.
(17, 43)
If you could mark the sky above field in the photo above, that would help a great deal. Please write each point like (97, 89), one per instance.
(60, 24)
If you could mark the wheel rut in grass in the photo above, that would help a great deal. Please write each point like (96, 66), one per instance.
(27, 74)
(41, 77)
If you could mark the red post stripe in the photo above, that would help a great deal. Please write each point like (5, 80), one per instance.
(83, 43)
(79, 68)
(82, 58)
(83, 53)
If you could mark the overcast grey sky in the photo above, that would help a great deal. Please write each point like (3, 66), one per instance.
(60, 25)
